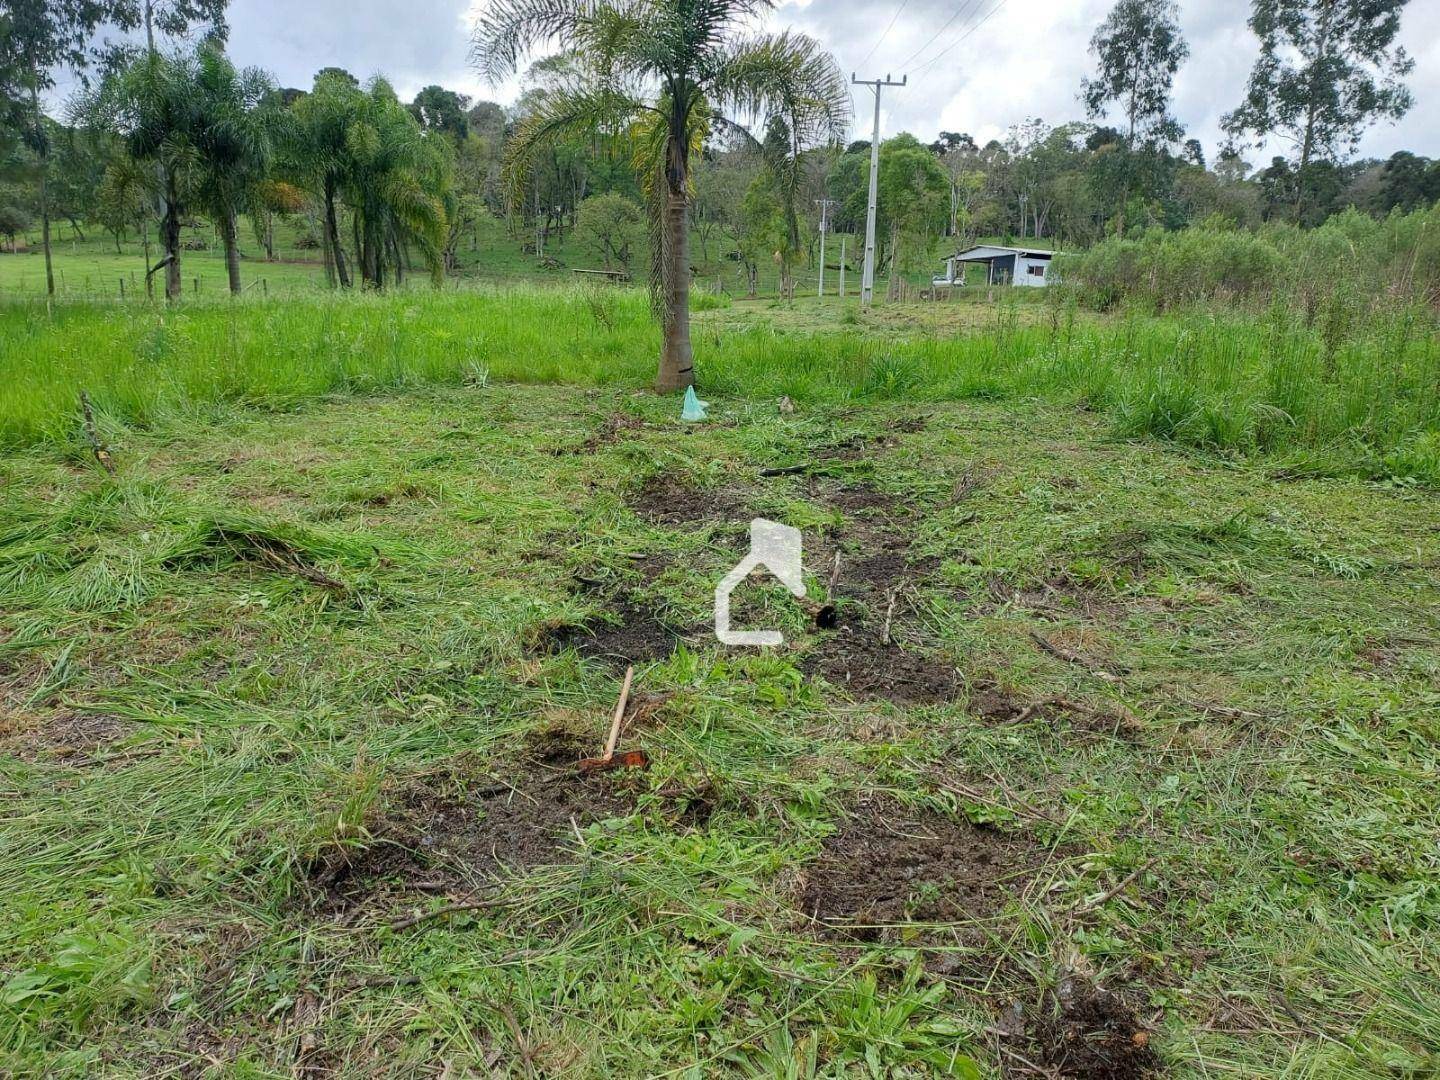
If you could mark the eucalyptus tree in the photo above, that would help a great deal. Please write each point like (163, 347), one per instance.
(1138, 49)
(666, 73)
(1328, 69)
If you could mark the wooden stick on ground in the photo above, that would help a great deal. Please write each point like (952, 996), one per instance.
(615, 724)
(440, 913)
(885, 638)
(1110, 894)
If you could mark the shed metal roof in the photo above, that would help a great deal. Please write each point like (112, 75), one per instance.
(986, 252)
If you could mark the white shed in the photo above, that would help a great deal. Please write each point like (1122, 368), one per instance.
(1004, 266)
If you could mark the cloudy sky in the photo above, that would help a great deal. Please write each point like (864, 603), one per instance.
(992, 66)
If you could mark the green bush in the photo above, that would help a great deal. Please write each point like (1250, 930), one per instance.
(1370, 265)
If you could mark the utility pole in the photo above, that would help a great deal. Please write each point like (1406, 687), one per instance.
(824, 205)
(867, 282)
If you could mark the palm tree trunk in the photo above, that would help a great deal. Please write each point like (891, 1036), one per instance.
(170, 236)
(332, 236)
(232, 250)
(677, 359)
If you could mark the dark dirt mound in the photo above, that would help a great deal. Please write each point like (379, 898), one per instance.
(875, 563)
(854, 659)
(889, 567)
(628, 633)
(860, 498)
(455, 834)
(1085, 1032)
(666, 499)
(892, 864)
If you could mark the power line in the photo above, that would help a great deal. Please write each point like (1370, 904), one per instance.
(934, 37)
(893, 19)
(955, 44)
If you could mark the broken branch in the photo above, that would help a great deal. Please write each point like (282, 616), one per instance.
(885, 638)
(92, 434)
(444, 912)
(1110, 894)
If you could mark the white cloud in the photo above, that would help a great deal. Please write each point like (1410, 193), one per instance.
(1027, 59)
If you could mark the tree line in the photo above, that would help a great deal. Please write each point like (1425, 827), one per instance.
(668, 135)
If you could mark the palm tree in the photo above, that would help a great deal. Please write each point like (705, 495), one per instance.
(665, 72)
(151, 103)
(396, 184)
(316, 156)
(232, 136)
(365, 149)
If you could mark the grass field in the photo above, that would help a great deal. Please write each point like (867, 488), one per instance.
(1230, 383)
(90, 267)
(1143, 783)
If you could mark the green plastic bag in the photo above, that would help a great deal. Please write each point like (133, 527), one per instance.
(694, 408)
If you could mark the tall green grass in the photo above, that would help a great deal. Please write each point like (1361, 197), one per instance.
(1366, 400)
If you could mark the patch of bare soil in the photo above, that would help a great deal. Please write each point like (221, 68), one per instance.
(1081, 1031)
(856, 656)
(891, 566)
(855, 659)
(611, 430)
(666, 499)
(455, 834)
(629, 632)
(890, 864)
(64, 736)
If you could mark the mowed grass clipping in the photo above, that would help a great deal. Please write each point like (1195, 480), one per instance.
(1364, 401)
(290, 680)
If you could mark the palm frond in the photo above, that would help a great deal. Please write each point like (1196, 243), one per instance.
(784, 74)
(567, 110)
(509, 29)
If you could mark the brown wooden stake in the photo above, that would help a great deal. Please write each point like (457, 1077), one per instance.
(889, 617)
(632, 759)
(619, 719)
